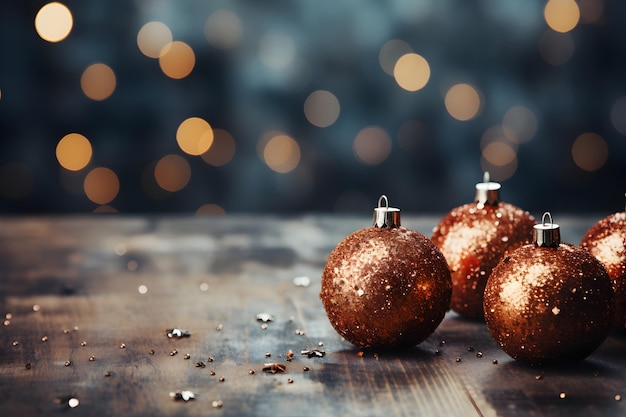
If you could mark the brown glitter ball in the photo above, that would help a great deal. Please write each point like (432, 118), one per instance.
(386, 287)
(549, 304)
(473, 240)
(606, 240)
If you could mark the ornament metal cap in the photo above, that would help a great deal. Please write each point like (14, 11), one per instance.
(487, 192)
(386, 216)
(547, 234)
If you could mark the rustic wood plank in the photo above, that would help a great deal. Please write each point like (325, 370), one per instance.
(212, 276)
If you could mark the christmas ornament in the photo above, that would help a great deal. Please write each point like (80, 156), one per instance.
(606, 240)
(549, 302)
(385, 286)
(474, 237)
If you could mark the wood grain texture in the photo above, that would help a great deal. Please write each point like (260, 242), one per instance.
(84, 274)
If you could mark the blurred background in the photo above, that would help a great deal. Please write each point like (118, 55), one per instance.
(281, 106)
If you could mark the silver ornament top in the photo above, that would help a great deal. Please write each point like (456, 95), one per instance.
(487, 192)
(386, 216)
(547, 234)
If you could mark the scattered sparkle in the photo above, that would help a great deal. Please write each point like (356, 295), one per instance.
(44, 339)
(182, 396)
(187, 356)
(177, 333)
(92, 358)
(562, 395)
(302, 281)
(265, 317)
(314, 353)
(217, 404)
(142, 289)
(204, 286)
(274, 368)
(83, 343)
(68, 363)
(123, 346)
(15, 343)
(36, 307)
(108, 374)
(618, 397)
(73, 402)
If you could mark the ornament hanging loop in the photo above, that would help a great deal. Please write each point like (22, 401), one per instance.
(547, 234)
(385, 216)
(487, 192)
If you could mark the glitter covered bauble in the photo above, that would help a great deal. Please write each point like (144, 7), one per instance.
(474, 238)
(606, 240)
(386, 286)
(549, 302)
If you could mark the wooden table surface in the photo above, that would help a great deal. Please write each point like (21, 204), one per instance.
(86, 302)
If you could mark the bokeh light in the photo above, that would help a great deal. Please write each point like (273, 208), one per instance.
(101, 185)
(498, 153)
(16, 181)
(276, 50)
(74, 151)
(372, 145)
(281, 153)
(519, 124)
(556, 48)
(463, 102)
(321, 108)
(194, 136)
(618, 115)
(222, 150)
(152, 39)
(391, 52)
(590, 151)
(223, 29)
(172, 172)
(412, 135)
(177, 60)
(54, 22)
(210, 210)
(561, 15)
(105, 208)
(591, 10)
(411, 72)
(98, 82)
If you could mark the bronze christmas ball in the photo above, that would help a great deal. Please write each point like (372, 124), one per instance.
(474, 238)
(606, 240)
(548, 305)
(386, 288)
